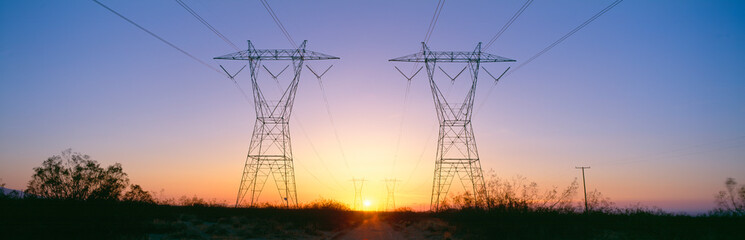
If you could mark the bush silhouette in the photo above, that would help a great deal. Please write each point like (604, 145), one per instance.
(732, 199)
(327, 204)
(76, 176)
(515, 194)
(137, 194)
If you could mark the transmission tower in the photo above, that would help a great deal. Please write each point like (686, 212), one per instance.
(456, 145)
(358, 183)
(390, 201)
(269, 152)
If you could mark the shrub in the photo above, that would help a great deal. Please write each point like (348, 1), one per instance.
(76, 176)
(732, 199)
(327, 204)
(137, 194)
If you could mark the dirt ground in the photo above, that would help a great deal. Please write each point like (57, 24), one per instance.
(374, 226)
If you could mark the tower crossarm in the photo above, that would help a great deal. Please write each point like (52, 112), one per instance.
(451, 56)
(276, 54)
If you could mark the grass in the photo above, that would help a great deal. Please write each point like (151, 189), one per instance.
(58, 219)
(530, 224)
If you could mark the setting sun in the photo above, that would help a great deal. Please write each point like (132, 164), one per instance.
(366, 203)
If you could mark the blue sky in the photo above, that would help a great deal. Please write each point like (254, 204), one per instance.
(651, 94)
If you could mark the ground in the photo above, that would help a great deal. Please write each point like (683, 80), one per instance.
(53, 219)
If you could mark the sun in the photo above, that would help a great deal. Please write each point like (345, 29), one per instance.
(366, 203)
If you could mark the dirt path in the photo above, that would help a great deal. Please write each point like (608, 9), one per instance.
(372, 228)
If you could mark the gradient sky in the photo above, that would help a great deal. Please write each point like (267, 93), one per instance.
(650, 95)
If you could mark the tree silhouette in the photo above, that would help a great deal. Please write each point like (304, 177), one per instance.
(137, 194)
(732, 200)
(73, 175)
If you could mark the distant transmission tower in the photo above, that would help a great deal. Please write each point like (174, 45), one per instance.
(358, 201)
(456, 145)
(269, 152)
(390, 201)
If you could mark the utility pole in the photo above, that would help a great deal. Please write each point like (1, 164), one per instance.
(584, 184)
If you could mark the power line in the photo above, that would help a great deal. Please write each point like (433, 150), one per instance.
(430, 29)
(320, 83)
(400, 127)
(245, 96)
(567, 35)
(223, 72)
(158, 37)
(302, 129)
(698, 149)
(318, 156)
(433, 22)
(278, 22)
(508, 24)
(421, 156)
(316, 178)
(432, 132)
(209, 26)
(331, 117)
(570, 33)
(287, 35)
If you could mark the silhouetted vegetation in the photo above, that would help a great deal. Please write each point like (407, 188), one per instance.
(731, 201)
(93, 204)
(519, 194)
(327, 204)
(519, 210)
(75, 176)
(54, 219)
(137, 194)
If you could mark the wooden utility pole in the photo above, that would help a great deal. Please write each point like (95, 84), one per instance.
(584, 184)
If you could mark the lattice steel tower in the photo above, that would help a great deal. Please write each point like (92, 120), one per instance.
(269, 152)
(456, 145)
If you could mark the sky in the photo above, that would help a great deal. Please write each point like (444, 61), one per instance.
(650, 95)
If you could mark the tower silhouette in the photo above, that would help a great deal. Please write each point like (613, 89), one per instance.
(358, 200)
(390, 187)
(270, 152)
(456, 146)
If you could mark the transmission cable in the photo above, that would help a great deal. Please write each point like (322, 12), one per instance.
(159, 38)
(323, 91)
(427, 36)
(225, 73)
(706, 147)
(400, 128)
(508, 24)
(331, 119)
(570, 33)
(245, 96)
(310, 142)
(278, 22)
(316, 178)
(318, 156)
(209, 26)
(433, 22)
(552, 45)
